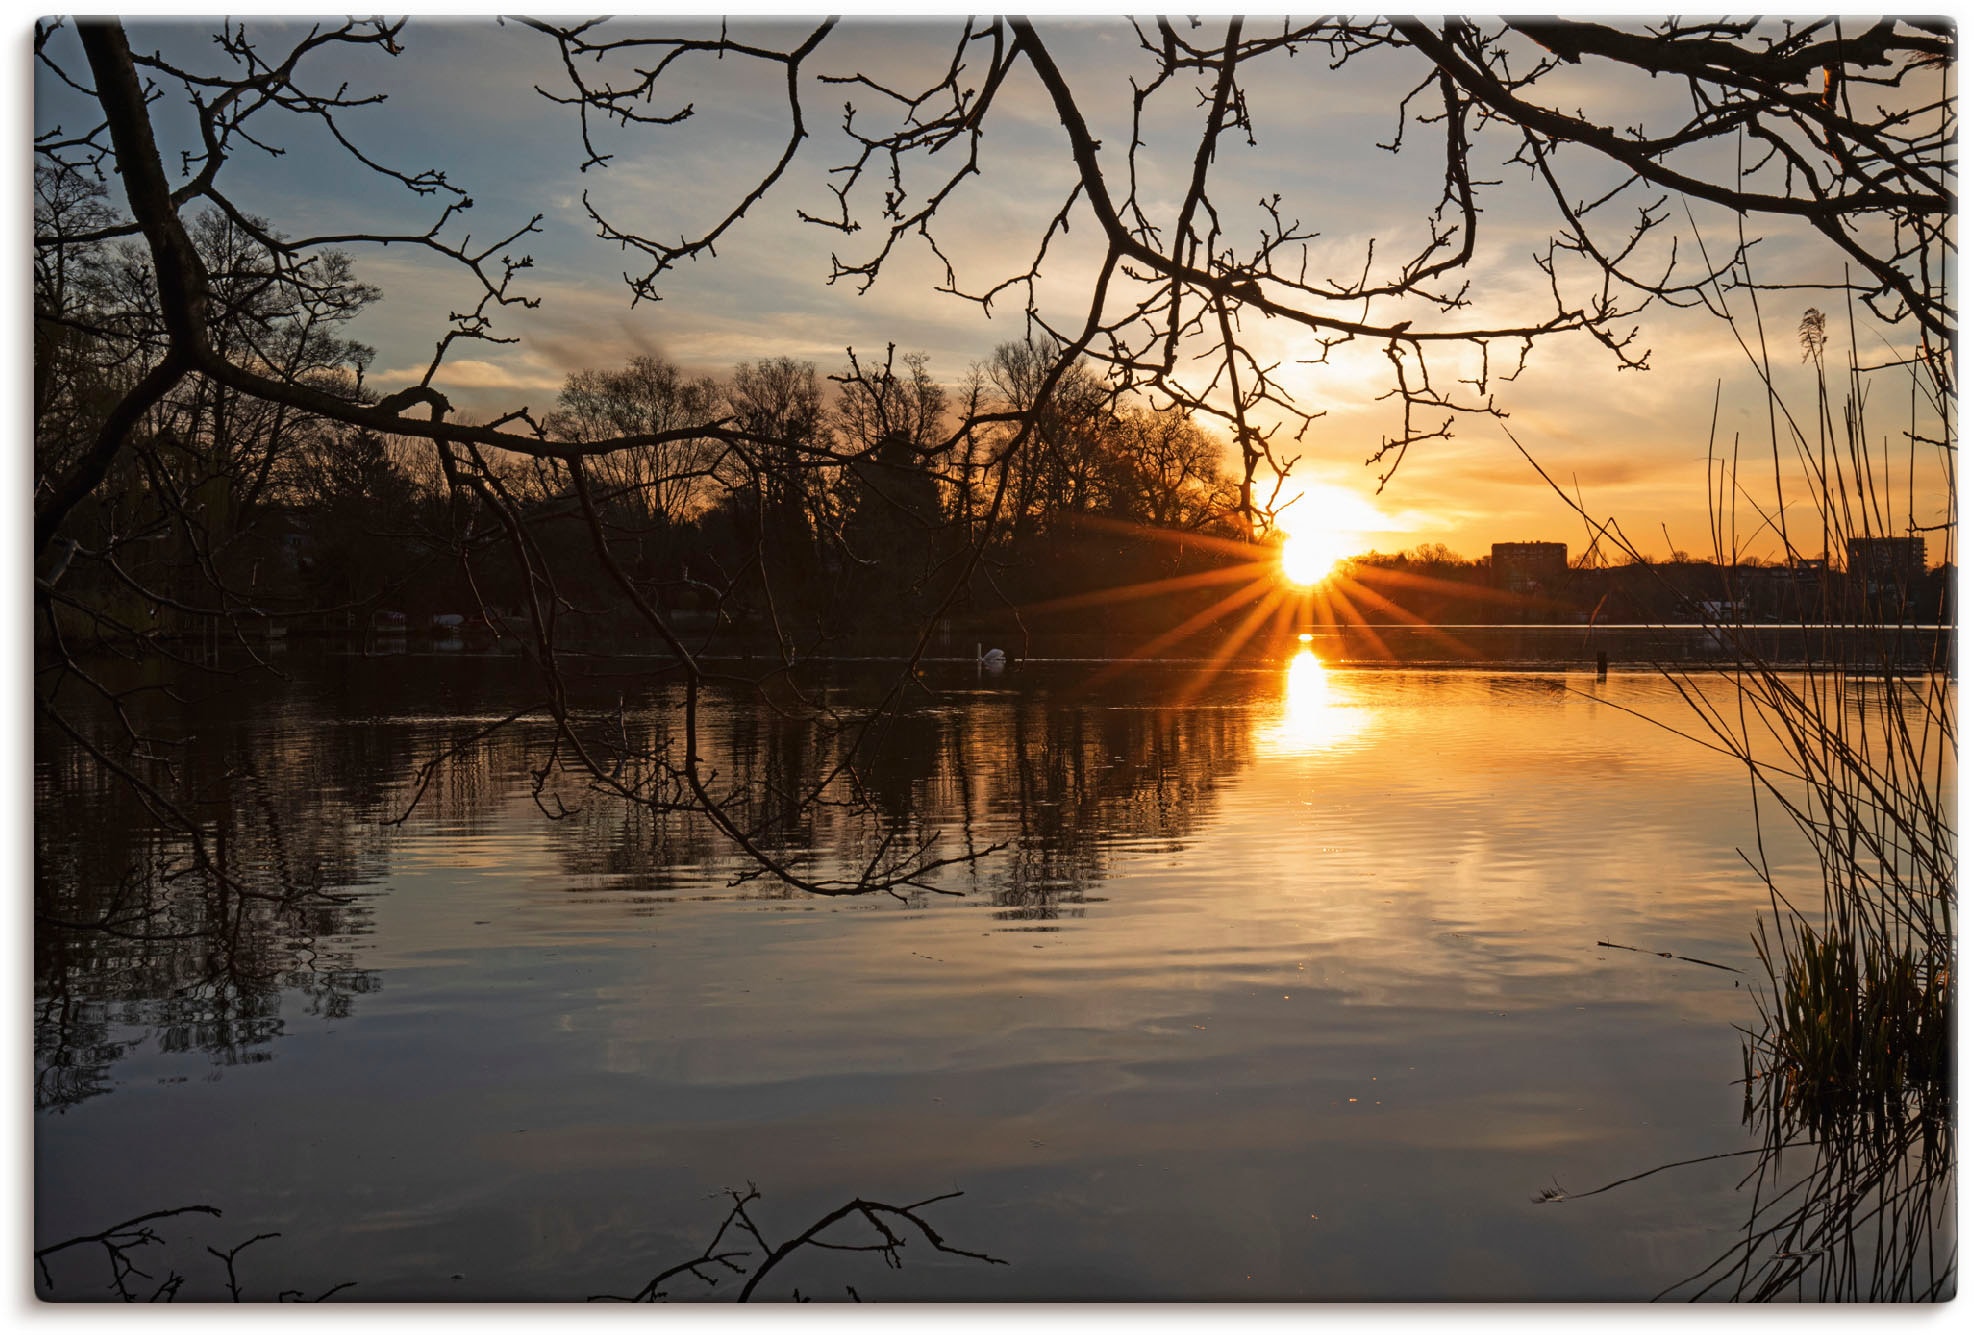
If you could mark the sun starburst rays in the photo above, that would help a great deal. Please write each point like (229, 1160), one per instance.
(1272, 600)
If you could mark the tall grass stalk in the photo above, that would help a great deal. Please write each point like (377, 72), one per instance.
(1849, 1061)
(1849, 1067)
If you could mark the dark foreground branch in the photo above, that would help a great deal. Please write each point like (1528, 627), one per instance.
(885, 1240)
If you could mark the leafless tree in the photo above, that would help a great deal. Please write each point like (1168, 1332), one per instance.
(648, 396)
(1845, 127)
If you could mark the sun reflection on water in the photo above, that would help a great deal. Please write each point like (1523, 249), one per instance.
(1315, 715)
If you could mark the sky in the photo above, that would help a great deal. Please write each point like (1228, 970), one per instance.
(1632, 445)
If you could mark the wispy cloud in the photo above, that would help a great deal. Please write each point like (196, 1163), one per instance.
(474, 373)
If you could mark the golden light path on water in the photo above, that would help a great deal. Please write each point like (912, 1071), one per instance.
(1315, 716)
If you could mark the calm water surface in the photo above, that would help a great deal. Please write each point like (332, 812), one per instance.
(1290, 991)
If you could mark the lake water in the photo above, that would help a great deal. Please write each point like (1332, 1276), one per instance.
(1289, 989)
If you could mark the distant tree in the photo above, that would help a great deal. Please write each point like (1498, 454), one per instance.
(1052, 452)
(1435, 553)
(779, 478)
(362, 535)
(668, 478)
(79, 370)
(891, 424)
(897, 401)
(203, 466)
(1162, 469)
(893, 532)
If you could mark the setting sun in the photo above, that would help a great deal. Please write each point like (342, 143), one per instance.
(1308, 558)
(1323, 526)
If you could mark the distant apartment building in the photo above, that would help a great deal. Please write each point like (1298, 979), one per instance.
(1884, 575)
(1528, 567)
(1886, 560)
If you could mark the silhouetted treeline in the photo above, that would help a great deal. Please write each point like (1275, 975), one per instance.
(870, 506)
(812, 509)
(775, 508)
(1435, 585)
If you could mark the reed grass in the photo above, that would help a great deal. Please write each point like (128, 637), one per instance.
(1849, 1066)
(1849, 1062)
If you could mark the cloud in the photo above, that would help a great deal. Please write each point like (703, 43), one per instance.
(476, 373)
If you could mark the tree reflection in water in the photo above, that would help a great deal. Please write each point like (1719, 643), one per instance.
(297, 791)
(136, 933)
(1050, 785)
